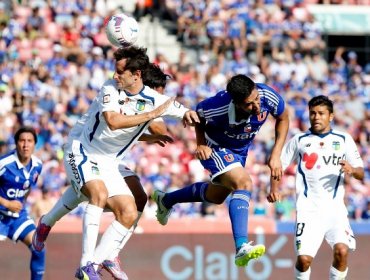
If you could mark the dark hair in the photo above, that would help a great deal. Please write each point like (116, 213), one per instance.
(154, 77)
(25, 129)
(321, 100)
(137, 59)
(240, 87)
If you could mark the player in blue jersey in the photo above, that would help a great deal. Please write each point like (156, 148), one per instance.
(19, 171)
(229, 122)
(324, 155)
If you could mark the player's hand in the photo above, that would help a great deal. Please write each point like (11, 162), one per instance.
(162, 108)
(346, 167)
(160, 139)
(203, 152)
(190, 118)
(14, 206)
(276, 168)
(273, 197)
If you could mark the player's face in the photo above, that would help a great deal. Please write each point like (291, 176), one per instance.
(320, 119)
(252, 104)
(25, 146)
(125, 79)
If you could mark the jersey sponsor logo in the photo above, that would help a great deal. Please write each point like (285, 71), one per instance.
(140, 105)
(72, 164)
(229, 157)
(333, 159)
(322, 144)
(310, 160)
(16, 193)
(262, 116)
(241, 136)
(336, 145)
(106, 98)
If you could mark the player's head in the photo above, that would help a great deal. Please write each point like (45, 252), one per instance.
(321, 113)
(130, 64)
(25, 140)
(154, 77)
(244, 94)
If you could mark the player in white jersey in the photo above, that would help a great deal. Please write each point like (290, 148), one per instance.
(324, 156)
(156, 79)
(126, 107)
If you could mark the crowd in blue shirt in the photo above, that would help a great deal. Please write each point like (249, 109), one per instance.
(54, 57)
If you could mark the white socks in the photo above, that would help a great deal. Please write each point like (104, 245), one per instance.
(111, 239)
(91, 223)
(302, 275)
(116, 251)
(67, 202)
(335, 274)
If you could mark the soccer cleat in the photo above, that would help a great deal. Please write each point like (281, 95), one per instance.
(248, 252)
(114, 268)
(87, 272)
(40, 235)
(162, 212)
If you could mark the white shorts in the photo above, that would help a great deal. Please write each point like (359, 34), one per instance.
(125, 171)
(81, 167)
(312, 227)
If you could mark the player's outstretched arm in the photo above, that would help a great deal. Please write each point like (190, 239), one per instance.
(281, 131)
(117, 121)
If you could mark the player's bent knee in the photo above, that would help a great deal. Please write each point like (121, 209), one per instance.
(303, 262)
(340, 251)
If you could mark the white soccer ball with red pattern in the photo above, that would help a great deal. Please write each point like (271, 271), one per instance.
(122, 30)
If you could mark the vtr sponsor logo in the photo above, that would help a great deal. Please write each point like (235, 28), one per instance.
(72, 163)
(333, 159)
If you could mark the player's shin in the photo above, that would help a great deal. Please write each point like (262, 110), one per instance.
(110, 241)
(37, 264)
(91, 223)
(67, 202)
(238, 211)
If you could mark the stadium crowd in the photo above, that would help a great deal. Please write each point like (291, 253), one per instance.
(54, 57)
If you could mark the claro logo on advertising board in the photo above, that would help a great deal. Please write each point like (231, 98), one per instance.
(180, 262)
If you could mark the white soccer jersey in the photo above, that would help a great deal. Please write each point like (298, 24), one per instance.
(98, 138)
(319, 181)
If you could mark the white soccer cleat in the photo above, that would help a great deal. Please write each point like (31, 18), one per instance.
(248, 252)
(162, 212)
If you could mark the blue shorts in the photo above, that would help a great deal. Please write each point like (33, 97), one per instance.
(16, 228)
(222, 160)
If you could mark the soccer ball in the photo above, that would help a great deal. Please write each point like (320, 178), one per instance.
(122, 30)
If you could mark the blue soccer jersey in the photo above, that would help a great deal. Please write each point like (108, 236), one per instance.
(221, 128)
(16, 180)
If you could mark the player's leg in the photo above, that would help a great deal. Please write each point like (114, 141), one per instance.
(238, 180)
(22, 229)
(86, 176)
(309, 234)
(122, 203)
(341, 239)
(66, 203)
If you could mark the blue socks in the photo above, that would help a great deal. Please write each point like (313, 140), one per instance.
(238, 212)
(192, 193)
(37, 264)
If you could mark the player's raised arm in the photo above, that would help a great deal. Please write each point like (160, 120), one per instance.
(117, 121)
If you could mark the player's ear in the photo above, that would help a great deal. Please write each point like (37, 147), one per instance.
(331, 117)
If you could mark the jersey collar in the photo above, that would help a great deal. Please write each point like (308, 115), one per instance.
(232, 115)
(20, 165)
(321, 135)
